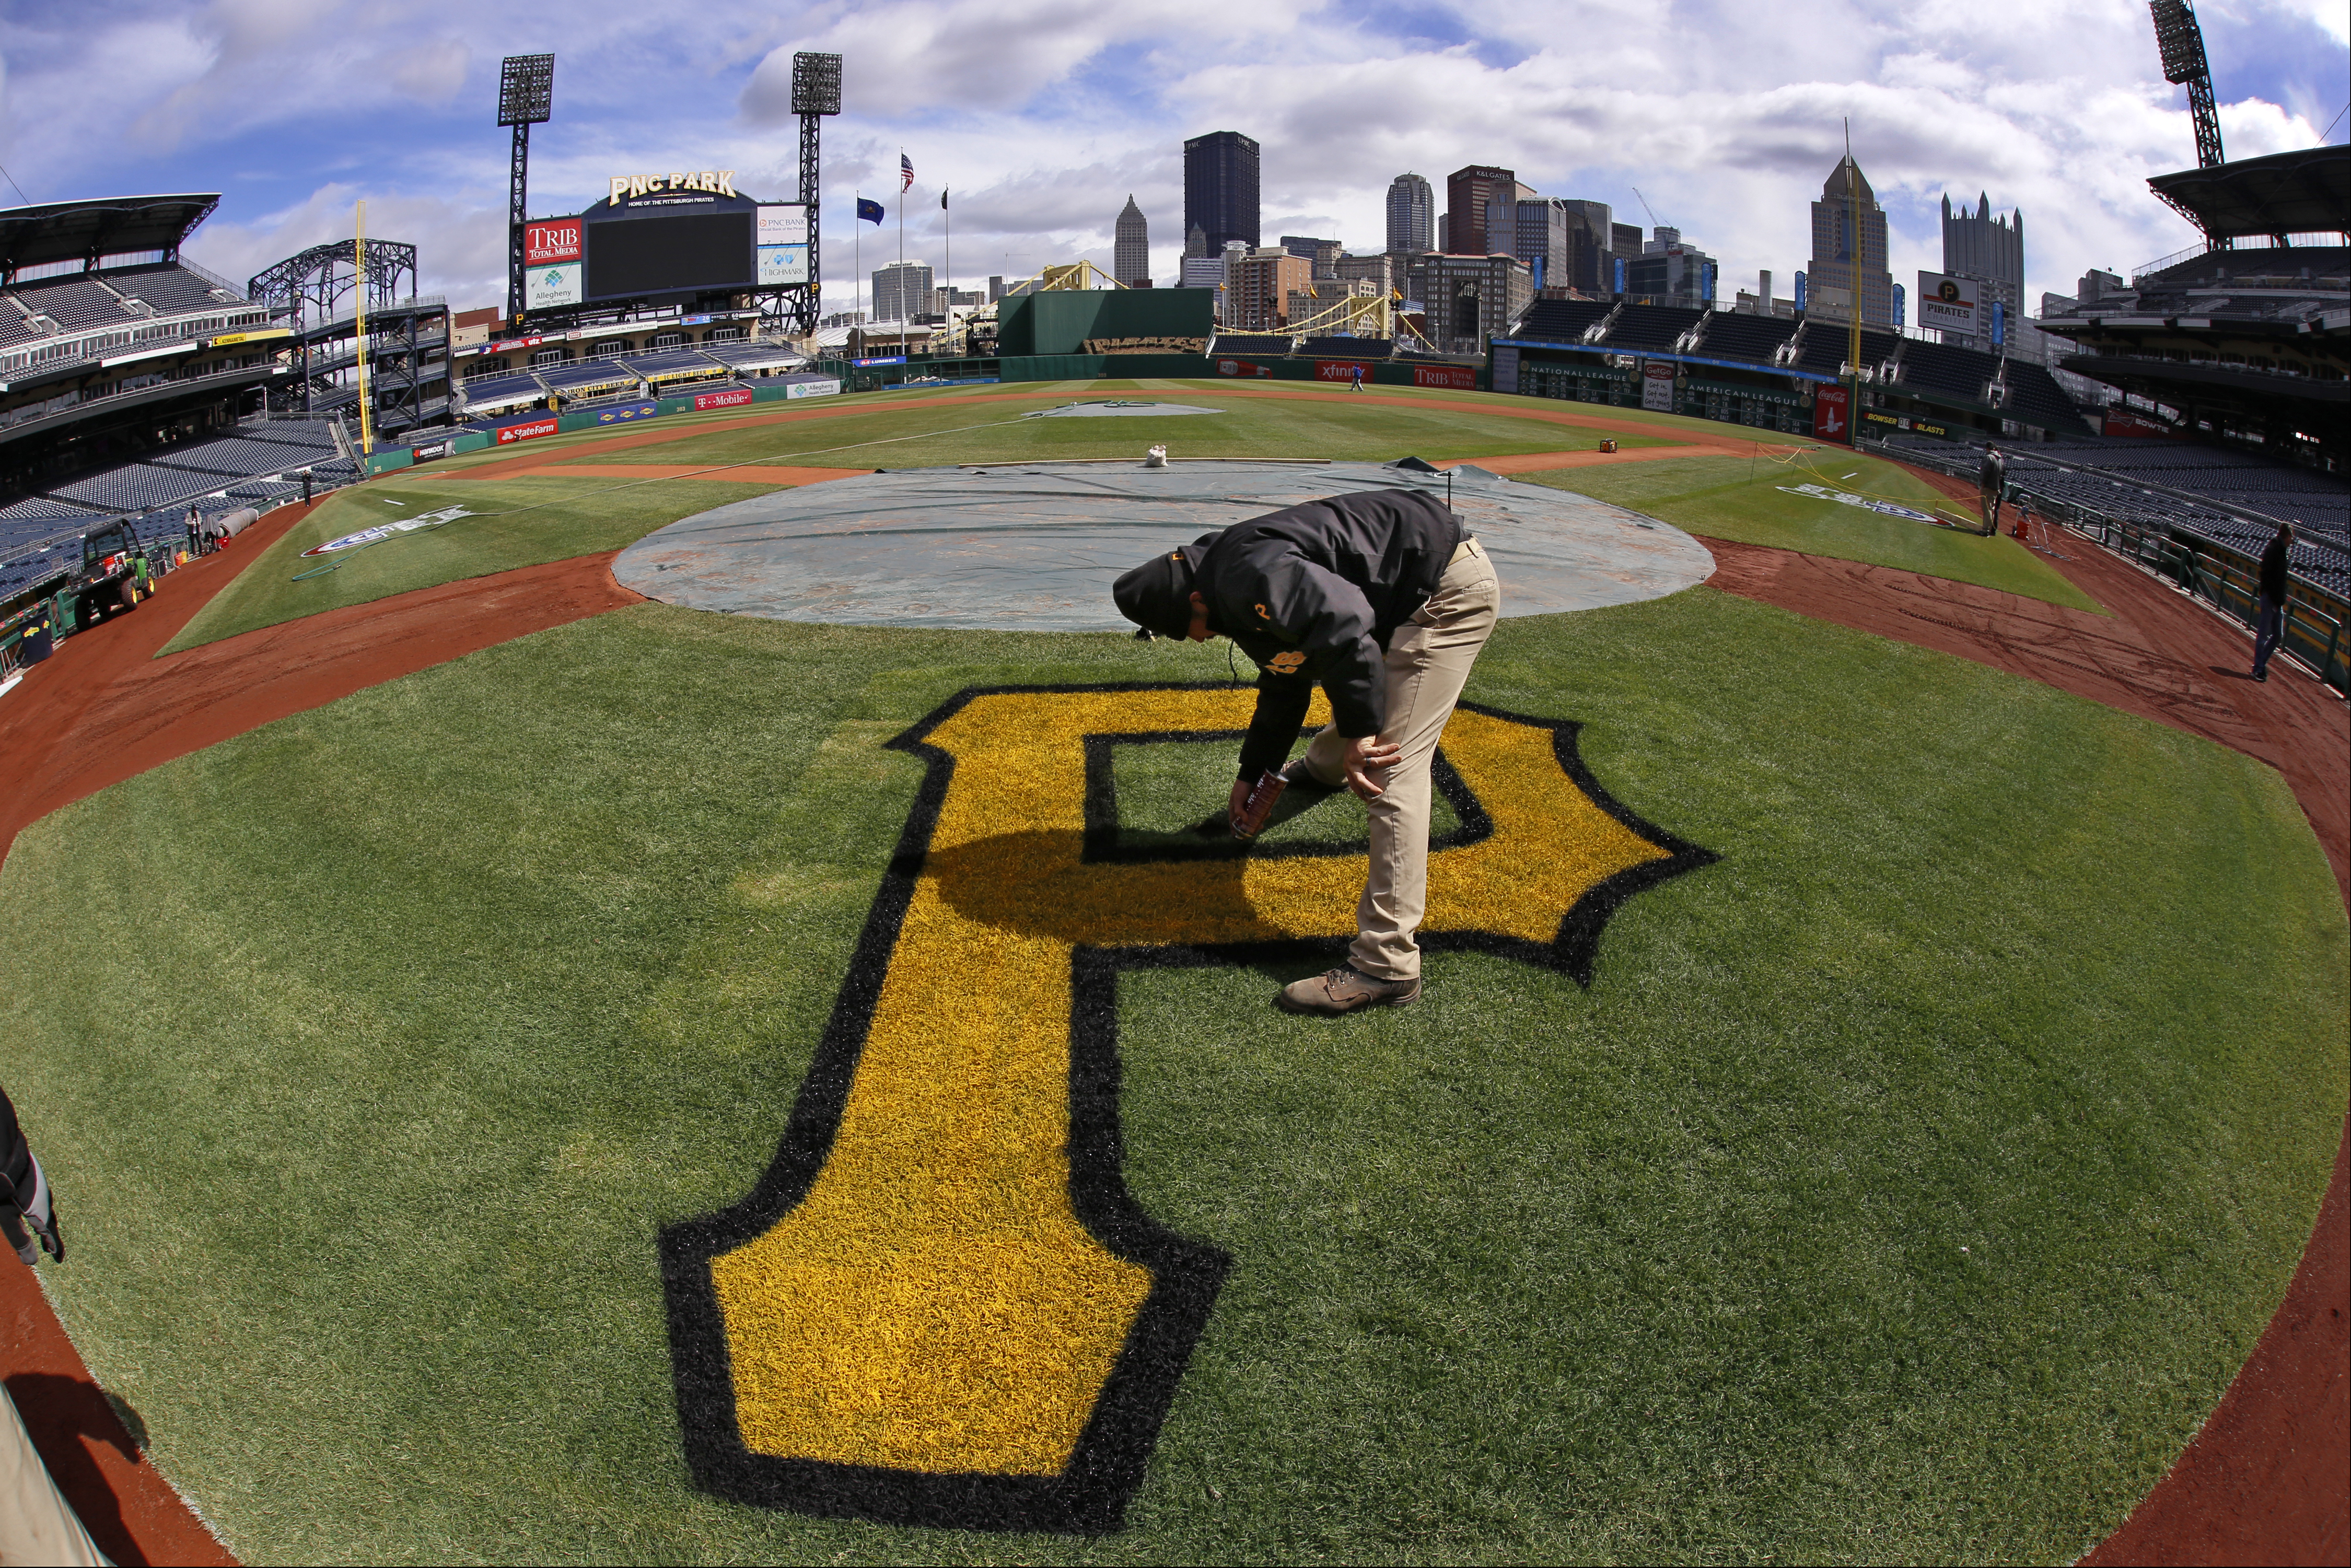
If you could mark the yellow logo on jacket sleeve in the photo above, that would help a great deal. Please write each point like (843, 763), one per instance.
(1287, 664)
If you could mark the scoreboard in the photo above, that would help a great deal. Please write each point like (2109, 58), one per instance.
(661, 238)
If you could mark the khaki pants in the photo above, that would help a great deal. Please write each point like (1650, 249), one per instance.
(1429, 663)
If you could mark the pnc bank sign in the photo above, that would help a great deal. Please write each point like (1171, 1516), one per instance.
(717, 182)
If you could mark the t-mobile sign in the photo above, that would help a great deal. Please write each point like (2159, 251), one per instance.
(723, 399)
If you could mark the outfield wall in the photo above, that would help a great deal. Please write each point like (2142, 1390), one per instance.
(1338, 372)
(1056, 321)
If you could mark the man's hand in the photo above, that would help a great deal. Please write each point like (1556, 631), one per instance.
(1365, 754)
(1239, 799)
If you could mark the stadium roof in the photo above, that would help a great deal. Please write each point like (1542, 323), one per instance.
(112, 226)
(2307, 191)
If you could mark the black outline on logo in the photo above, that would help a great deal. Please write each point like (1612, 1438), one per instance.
(1090, 1498)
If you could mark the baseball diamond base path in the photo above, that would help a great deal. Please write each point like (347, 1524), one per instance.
(2264, 1482)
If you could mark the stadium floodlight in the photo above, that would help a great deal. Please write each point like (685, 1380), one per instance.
(816, 84)
(526, 89)
(2180, 41)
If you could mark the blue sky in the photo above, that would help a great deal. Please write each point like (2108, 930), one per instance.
(1044, 115)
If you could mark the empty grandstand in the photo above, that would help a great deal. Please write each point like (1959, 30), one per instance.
(318, 293)
(2247, 341)
(110, 343)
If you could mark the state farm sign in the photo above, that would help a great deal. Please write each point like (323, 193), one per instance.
(531, 430)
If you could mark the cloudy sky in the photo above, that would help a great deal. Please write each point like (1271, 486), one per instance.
(1043, 115)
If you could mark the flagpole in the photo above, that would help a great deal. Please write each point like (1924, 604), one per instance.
(950, 222)
(905, 185)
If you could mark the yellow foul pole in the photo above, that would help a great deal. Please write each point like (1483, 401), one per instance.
(1852, 285)
(358, 266)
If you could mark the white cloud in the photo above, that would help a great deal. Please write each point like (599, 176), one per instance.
(1043, 115)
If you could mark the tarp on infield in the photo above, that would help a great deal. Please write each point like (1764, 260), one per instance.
(1035, 547)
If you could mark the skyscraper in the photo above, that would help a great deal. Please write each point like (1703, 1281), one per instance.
(902, 291)
(1482, 204)
(1220, 188)
(1130, 256)
(1990, 250)
(1412, 215)
(1840, 255)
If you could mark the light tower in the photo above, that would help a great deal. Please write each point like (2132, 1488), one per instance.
(2182, 43)
(816, 92)
(525, 97)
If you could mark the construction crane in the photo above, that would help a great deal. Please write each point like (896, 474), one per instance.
(2182, 43)
(1653, 224)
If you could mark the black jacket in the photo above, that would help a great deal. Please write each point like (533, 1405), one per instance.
(1312, 594)
(2273, 571)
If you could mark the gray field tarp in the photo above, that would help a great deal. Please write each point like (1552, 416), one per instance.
(1034, 546)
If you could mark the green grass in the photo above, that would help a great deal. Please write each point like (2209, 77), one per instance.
(553, 518)
(517, 523)
(1728, 498)
(1907, 1186)
(1173, 794)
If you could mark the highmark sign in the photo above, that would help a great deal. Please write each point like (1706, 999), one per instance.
(717, 182)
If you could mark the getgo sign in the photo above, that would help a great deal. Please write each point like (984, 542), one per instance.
(739, 396)
(529, 430)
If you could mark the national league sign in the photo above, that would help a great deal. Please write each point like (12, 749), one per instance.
(1950, 304)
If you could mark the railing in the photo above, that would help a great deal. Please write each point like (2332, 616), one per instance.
(2322, 240)
(215, 278)
(2228, 581)
(2218, 574)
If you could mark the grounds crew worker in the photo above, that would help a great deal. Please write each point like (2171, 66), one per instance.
(1383, 600)
(1992, 480)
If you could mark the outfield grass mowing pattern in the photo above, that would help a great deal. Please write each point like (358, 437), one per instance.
(1751, 502)
(1907, 1186)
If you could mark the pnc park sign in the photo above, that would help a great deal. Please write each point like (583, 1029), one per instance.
(717, 182)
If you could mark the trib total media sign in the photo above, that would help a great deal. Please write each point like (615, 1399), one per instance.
(552, 266)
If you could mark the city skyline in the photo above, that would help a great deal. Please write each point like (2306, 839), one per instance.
(2060, 111)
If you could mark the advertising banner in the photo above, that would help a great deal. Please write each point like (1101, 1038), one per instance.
(1951, 304)
(1459, 378)
(732, 399)
(529, 430)
(1344, 370)
(827, 388)
(2120, 424)
(545, 288)
(1829, 415)
(882, 360)
(783, 246)
(550, 242)
(429, 451)
(1241, 367)
(627, 412)
(1657, 386)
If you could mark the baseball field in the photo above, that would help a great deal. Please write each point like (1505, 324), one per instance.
(663, 1084)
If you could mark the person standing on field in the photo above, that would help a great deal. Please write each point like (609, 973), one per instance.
(2269, 626)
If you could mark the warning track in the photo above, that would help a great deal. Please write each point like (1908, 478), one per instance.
(2264, 1481)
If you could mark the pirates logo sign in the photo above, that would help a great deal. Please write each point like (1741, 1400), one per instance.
(939, 1305)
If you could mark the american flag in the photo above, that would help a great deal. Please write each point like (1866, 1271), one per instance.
(906, 173)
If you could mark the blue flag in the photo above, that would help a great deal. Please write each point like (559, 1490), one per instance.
(869, 212)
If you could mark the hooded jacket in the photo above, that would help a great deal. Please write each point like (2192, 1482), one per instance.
(1313, 594)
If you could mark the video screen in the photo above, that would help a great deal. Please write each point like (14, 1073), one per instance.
(659, 256)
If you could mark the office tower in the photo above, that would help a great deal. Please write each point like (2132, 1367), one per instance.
(1258, 286)
(1221, 189)
(1131, 251)
(1989, 251)
(1412, 207)
(1841, 256)
(1323, 254)
(1668, 272)
(1469, 299)
(902, 290)
(1475, 198)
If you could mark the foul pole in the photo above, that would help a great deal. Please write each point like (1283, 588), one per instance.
(358, 266)
(1853, 288)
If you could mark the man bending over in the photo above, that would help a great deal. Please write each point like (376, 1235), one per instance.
(1383, 600)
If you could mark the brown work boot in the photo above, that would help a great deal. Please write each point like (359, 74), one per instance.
(1345, 990)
